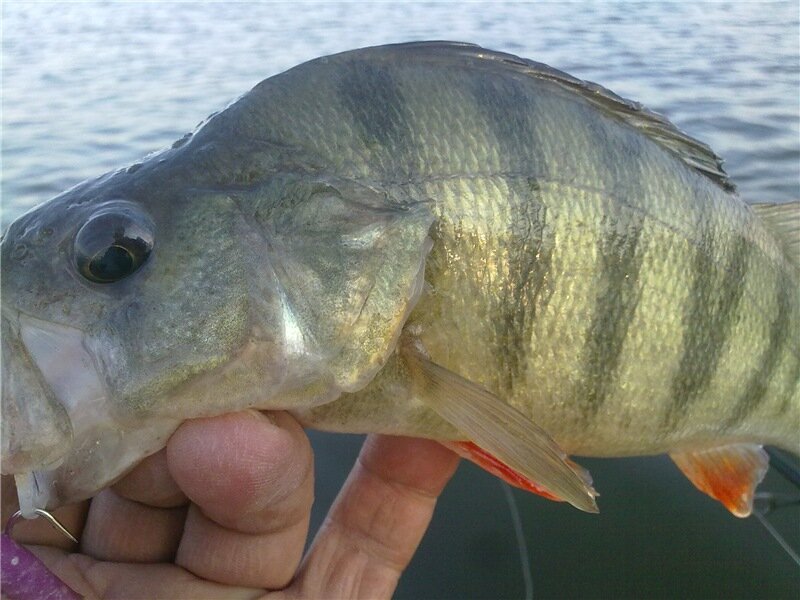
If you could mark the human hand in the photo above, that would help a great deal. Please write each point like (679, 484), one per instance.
(223, 512)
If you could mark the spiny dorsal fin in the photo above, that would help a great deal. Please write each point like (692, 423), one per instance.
(693, 152)
(783, 220)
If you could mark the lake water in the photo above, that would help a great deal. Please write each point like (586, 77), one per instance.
(88, 87)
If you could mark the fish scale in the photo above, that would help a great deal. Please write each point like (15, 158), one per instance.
(552, 390)
(542, 346)
(441, 241)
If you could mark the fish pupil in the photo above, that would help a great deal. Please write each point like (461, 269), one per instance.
(113, 264)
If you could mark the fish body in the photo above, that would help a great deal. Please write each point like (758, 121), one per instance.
(426, 239)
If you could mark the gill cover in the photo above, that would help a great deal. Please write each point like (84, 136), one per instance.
(350, 262)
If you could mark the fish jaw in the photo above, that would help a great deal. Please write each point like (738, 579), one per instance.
(36, 430)
(95, 445)
(59, 353)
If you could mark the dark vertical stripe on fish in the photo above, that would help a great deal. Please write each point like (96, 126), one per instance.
(779, 342)
(620, 264)
(529, 249)
(711, 315)
(791, 388)
(511, 114)
(379, 111)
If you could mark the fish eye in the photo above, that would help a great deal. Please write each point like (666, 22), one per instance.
(113, 244)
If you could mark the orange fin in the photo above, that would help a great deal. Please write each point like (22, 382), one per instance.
(486, 461)
(728, 473)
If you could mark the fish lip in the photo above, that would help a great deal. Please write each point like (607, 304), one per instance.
(105, 441)
(54, 348)
(10, 314)
(68, 368)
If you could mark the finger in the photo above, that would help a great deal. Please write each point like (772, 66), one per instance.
(138, 520)
(39, 531)
(95, 579)
(378, 519)
(122, 530)
(250, 478)
(10, 503)
(151, 483)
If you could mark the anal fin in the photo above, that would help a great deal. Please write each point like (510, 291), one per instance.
(727, 473)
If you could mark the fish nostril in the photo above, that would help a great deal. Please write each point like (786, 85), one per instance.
(20, 251)
(132, 312)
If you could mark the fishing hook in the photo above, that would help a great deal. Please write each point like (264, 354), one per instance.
(39, 512)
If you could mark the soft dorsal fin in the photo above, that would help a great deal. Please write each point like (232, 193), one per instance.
(727, 473)
(783, 220)
(693, 152)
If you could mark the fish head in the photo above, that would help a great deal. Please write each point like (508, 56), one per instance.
(129, 304)
(150, 296)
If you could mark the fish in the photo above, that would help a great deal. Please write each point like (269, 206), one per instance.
(428, 239)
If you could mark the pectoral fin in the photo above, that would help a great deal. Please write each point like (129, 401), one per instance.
(502, 435)
(728, 473)
(486, 461)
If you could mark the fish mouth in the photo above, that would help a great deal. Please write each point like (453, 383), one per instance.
(70, 401)
(102, 445)
(59, 352)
